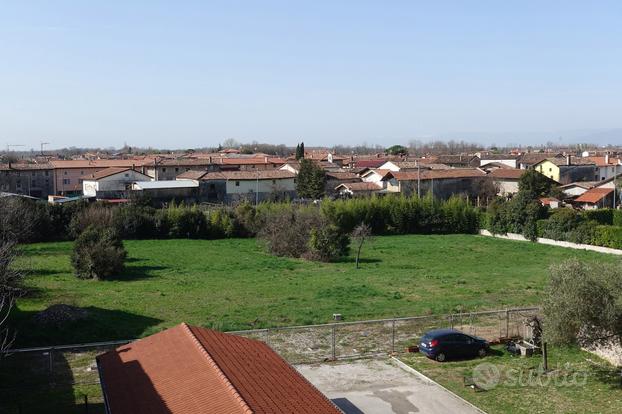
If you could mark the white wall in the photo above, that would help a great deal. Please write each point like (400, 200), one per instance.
(265, 186)
(509, 163)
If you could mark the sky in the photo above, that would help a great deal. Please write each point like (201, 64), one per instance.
(186, 74)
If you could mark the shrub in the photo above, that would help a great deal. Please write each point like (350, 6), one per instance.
(23, 220)
(326, 243)
(600, 215)
(286, 229)
(97, 215)
(98, 253)
(182, 222)
(608, 236)
(133, 221)
(222, 223)
(617, 218)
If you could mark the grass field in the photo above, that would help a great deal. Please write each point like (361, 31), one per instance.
(234, 284)
(577, 382)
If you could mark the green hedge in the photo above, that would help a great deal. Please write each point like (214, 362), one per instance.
(600, 215)
(608, 236)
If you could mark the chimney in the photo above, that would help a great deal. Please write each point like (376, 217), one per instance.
(265, 159)
(568, 160)
(607, 158)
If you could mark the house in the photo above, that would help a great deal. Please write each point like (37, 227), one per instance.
(233, 186)
(506, 180)
(31, 179)
(188, 370)
(577, 188)
(359, 189)
(597, 197)
(167, 190)
(529, 159)
(68, 173)
(607, 166)
(377, 176)
(441, 183)
(333, 179)
(111, 182)
(551, 202)
(510, 160)
(567, 170)
(457, 161)
(400, 166)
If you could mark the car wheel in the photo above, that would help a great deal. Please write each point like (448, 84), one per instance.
(440, 357)
(482, 352)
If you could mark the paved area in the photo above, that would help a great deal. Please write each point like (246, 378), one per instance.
(380, 387)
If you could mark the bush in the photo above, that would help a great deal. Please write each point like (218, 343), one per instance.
(182, 222)
(97, 215)
(286, 229)
(326, 243)
(617, 218)
(600, 215)
(135, 222)
(98, 253)
(608, 236)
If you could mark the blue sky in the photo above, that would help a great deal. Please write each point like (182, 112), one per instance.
(191, 74)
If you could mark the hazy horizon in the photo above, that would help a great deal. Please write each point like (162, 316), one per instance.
(167, 75)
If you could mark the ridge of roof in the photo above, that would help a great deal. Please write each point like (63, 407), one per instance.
(221, 375)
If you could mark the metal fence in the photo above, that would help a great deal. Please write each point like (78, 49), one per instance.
(25, 370)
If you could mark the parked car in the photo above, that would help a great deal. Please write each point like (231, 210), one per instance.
(442, 344)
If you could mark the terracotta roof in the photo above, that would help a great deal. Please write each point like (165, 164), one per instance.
(191, 175)
(574, 161)
(508, 174)
(594, 195)
(25, 166)
(248, 175)
(362, 186)
(406, 165)
(342, 175)
(536, 157)
(499, 157)
(439, 174)
(600, 161)
(188, 369)
(369, 163)
(100, 163)
(107, 172)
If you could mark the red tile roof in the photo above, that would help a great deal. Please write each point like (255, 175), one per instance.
(594, 195)
(369, 163)
(438, 174)
(107, 172)
(600, 161)
(508, 174)
(188, 369)
(238, 175)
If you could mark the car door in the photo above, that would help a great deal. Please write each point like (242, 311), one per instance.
(469, 345)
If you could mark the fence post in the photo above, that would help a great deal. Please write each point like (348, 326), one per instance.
(86, 404)
(507, 323)
(451, 320)
(268, 337)
(334, 351)
(393, 336)
(51, 365)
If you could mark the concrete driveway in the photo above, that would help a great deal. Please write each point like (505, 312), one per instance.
(381, 387)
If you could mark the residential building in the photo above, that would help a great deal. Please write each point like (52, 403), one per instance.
(233, 186)
(111, 182)
(359, 189)
(606, 167)
(35, 180)
(441, 183)
(597, 197)
(189, 370)
(506, 180)
(507, 159)
(567, 170)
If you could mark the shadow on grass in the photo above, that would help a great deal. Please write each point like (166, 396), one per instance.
(98, 326)
(137, 273)
(352, 260)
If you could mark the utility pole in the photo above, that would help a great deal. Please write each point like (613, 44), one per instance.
(418, 180)
(42, 144)
(9, 146)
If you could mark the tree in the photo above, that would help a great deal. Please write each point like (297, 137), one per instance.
(311, 180)
(98, 254)
(327, 243)
(10, 289)
(583, 304)
(397, 150)
(534, 184)
(300, 151)
(360, 235)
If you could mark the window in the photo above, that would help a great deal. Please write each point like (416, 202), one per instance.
(237, 183)
(65, 172)
(273, 181)
(33, 183)
(550, 169)
(81, 172)
(163, 169)
(176, 169)
(127, 175)
(66, 181)
(47, 173)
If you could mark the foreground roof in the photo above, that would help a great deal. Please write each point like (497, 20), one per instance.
(188, 369)
(594, 195)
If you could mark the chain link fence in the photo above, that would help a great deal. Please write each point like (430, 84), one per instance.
(69, 373)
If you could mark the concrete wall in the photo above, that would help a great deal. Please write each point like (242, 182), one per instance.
(519, 237)
(36, 183)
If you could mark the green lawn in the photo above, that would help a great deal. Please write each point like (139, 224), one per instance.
(234, 284)
(577, 382)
